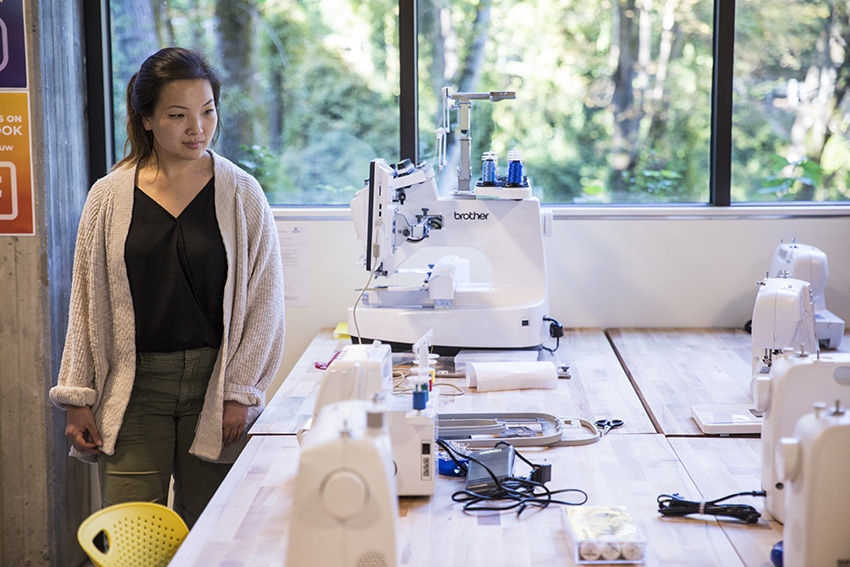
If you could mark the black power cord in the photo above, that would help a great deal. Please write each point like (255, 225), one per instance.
(556, 331)
(675, 505)
(511, 492)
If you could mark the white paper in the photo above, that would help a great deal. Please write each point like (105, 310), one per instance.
(294, 244)
(489, 376)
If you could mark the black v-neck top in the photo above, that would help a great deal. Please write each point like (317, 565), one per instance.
(177, 269)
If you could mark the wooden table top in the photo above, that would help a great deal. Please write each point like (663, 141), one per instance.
(246, 523)
(673, 369)
(647, 377)
(598, 388)
(291, 407)
(722, 466)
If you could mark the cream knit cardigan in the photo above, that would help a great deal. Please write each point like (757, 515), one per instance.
(99, 361)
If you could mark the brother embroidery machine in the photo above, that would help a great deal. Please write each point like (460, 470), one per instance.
(400, 212)
(807, 263)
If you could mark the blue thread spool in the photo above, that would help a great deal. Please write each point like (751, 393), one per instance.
(514, 168)
(420, 399)
(490, 168)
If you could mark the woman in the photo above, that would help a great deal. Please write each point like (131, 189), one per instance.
(176, 323)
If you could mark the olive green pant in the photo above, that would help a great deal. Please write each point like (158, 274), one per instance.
(156, 433)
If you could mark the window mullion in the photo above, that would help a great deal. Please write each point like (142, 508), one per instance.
(99, 88)
(721, 103)
(409, 70)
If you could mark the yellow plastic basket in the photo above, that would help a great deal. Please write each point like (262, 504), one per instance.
(137, 534)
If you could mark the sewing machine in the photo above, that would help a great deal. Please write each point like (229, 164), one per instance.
(783, 317)
(345, 506)
(497, 223)
(357, 372)
(814, 464)
(796, 382)
(808, 263)
(364, 372)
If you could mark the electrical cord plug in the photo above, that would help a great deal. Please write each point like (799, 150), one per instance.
(556, 331)
(541, 473)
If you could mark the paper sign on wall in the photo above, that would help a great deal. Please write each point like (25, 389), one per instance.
(294, 242)
(17, 215)
(13, 55)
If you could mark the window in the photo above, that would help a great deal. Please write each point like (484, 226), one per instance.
(791, 137)
(310, 89)
(613, 97)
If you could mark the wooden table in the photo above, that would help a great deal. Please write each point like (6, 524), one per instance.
(721, 466)
(247, 522)
(645, 377)
(673, 369)
(598, 388)
(292, 405)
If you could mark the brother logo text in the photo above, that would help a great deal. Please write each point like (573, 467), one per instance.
(471, 216)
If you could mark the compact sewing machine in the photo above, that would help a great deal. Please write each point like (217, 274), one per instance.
(783, 317)
(814, 464)
(357, 372)
(796, 382)
(364, 372)
(400, 213)
(345, 508)
(808, 263)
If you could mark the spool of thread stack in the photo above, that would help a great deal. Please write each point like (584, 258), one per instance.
(489, 168)
(514, 168)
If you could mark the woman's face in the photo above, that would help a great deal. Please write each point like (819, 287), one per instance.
(184, 120)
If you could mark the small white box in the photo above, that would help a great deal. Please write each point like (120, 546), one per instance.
(603, 534)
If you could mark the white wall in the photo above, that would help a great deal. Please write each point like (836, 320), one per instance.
(606, 270)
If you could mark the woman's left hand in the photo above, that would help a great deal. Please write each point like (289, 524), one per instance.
(233, 422)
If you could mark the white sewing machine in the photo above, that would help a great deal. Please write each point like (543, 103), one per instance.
(364, 372)
(808, 263)
(400, 212)
(814, 464)
(783, 317)
(357, 372)
(796, 382)
(345, 507)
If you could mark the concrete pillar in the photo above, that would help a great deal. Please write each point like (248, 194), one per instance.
(44, 494)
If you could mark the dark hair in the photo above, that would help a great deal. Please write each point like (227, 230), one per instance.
(143, 91)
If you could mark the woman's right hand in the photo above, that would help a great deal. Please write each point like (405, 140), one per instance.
(81, 430)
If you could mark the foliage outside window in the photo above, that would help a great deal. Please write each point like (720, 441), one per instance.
(792, 75)
(613, 96)
(310, 89)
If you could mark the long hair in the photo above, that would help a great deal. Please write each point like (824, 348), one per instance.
(143, 92)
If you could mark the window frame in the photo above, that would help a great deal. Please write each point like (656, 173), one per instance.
(98, 57)
(723, 47)
(101, 137)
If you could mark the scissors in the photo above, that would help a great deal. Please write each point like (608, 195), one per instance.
(324, 365)
(606, 425)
